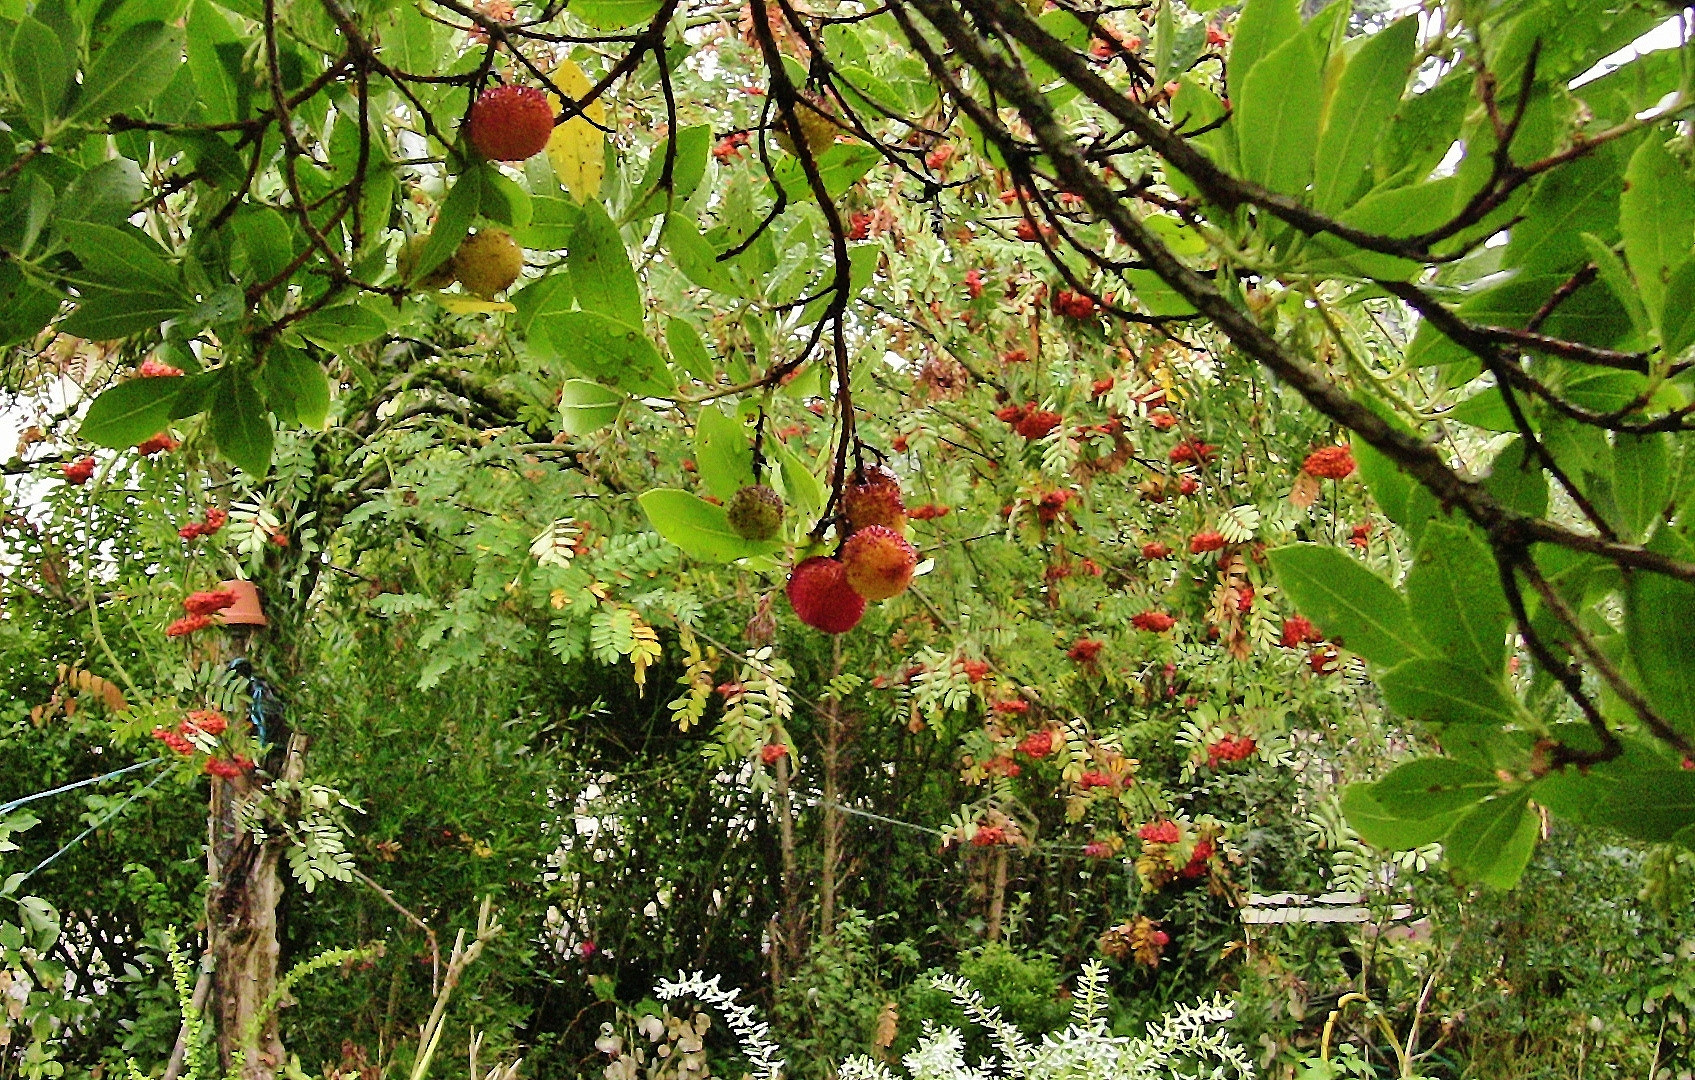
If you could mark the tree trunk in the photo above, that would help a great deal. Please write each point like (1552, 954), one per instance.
(787, 945)
(241, 925)
(997, 894)
(832, 800)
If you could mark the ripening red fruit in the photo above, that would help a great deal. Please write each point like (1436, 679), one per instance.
(859, 225)
(822, 598)
(975, 670)
(771, 753)
(939, 157)
(1037, 744)
(927, 512)
(1155, 550)
(1101, 387)
(1094, 779)
(1012, 708)
(974, 283)
(1329, 463)
(872, 497)
(511, 123)
(1036, 423)
(1193, 450)
(878, 562)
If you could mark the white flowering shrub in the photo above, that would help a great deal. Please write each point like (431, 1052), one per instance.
(1189, 1044)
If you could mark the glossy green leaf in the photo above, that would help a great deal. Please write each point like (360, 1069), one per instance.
(1677, 323)
(1520, 487)
(120, 257)
(801, 489)
(1491, 845)
(1455, 596)
(129, 72)
(296, 388)
(723, 452)
(606, 350)
(1277, 116)
(1657, 214)
(40, 72)
(1347, 602)
(1263, 26)
(615, 14)
(1355, 114)
(1660, 630)
(698, 527)
(342, 325)
(586, 407)
(1642, 475)
(1445, 692)
(687, 170)
(601, 275)
(106, 314)
(1398, 495)
(130, 412)
(1386, 829)
(240, 425)
(688, 350)
(215, 61)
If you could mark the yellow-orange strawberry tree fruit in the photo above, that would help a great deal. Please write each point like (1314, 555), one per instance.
(1066, 429)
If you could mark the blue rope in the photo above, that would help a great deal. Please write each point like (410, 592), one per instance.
(15, 803)
(81, 836)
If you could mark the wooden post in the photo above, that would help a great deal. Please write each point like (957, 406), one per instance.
(997, 894)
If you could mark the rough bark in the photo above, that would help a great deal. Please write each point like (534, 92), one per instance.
(786, 948)
(241, 925)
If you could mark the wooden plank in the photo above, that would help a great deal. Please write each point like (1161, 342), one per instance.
(1295, 914)
(1301, 899)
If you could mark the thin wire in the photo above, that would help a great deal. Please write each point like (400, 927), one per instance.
(80, 837)
(15, 803)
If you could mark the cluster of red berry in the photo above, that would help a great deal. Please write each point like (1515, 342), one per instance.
(216, 518)
(1095, 779)
(1075, 305)
(1329, 463)
(1029, 420)
(156, 369)
(988, 836)
(78, 472)
(859, 225)
(1013, 707)
(1155, 550)
(730, 146)
(1203, 542)
(1230, 748)
(975, 670)
(1037, 744)
(1085, 650)
(1051, 506)
(771, 753)
(927, 512)
(200, 607)
(1159, 832)
(1002, 766)
(1155, 622)
(157, 444)
(1193, 450)
(1097, 849)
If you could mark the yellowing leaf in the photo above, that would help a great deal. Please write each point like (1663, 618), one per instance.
(470, 305)
(577, 148)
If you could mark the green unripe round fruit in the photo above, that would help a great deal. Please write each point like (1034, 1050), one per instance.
(756, 513)
(406, 266)
(488, 262)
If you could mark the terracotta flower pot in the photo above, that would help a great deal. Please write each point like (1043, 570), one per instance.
(246, 610)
